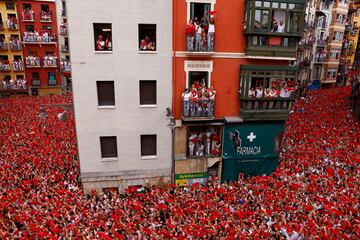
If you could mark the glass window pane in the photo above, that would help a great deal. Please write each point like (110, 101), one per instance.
(275, 5)
(266, 4)
(291, 6)
(257, 3)
(257, 21)
(265, 20)
(278, 21)
(283, 5)
(255, 40)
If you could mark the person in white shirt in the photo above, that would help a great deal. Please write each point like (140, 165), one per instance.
(281, 27)
(251, 93)
(198, 37)
(259, 91)
(211, 35)
(186, 102)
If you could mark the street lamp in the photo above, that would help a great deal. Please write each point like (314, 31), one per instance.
(172, 125)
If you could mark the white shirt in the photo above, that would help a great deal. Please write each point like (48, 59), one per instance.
(186, 96)
(198, 29)
(259, 93)
(211, 28)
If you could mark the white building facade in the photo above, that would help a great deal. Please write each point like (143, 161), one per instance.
(121, 54)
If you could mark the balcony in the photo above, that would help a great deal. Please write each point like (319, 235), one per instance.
(320, 58)
(64, 48)
(65, 66)
(274, 28)
(45, 16)
(198, 109)
(15, 85)
(50, 62)
(267, 92)
(12, 24)
(15, 45)
(196, 45)
(32, 62)
(35, 37)
(3, 46)
(36, 82)
(18, 66)
(63, 29)
(27, 15)
(321, 42)
(5, 66)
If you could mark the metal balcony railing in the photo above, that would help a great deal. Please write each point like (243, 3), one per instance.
(18, 66)
(32, 61)
(50, 61)
(36, 37)
(198, 44)
(3, 46)
(266, 104)
(19, 84)
(15, 46)
(36, 82)
(198, 108)
(5, 67)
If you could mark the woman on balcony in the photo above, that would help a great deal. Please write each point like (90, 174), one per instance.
(211, 34)
(198, 38)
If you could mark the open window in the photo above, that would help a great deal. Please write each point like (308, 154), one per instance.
(203, 141)
(147, 37)
(198, 79)
(102, 37)
(198, 10)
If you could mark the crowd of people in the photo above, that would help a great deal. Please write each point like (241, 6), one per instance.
(103, 45)
(45, 15)
(204, 143)
(200, 33)
(199, 101)
(11, 22)
(15, 43)
(18, 84)
(313, 194)
(18, 65)
(282, 90)
(50, 61)
(4, 65)
(147, 44)
(32, 61)
(28, 14)
(41, 36)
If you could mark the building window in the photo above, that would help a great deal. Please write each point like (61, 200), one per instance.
(148, 145)
(29, 28)
(337, 36)
(103, 37)
(106, 93)
(108, 147)
(204, 142)
(10, 6)
(147, 37)
(198, 10)
(147, 92)
(52, 78)
(35, 78)
(331, 72)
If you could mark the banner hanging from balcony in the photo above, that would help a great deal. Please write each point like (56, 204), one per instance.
(251, 148)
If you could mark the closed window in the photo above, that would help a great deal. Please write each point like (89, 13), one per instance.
(147, 92)
(108, 147)
(148, 145)
(103, 36)
(106, 93)
(10, 6)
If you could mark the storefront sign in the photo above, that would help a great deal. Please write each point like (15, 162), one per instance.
(190, 178)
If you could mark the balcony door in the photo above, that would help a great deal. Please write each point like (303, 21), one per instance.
(197, 78)
(198, 10)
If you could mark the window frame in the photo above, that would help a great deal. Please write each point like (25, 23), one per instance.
(112, 98)
(150, 104)
(53, 74)
(154, 152)
(108, 156)
(96, 35)
(140, 34)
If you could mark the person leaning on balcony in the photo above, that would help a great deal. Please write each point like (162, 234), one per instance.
(281, 27)
(251, 93)
(186, 95)
(212, 94)
(259, 91)
(190, 33)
